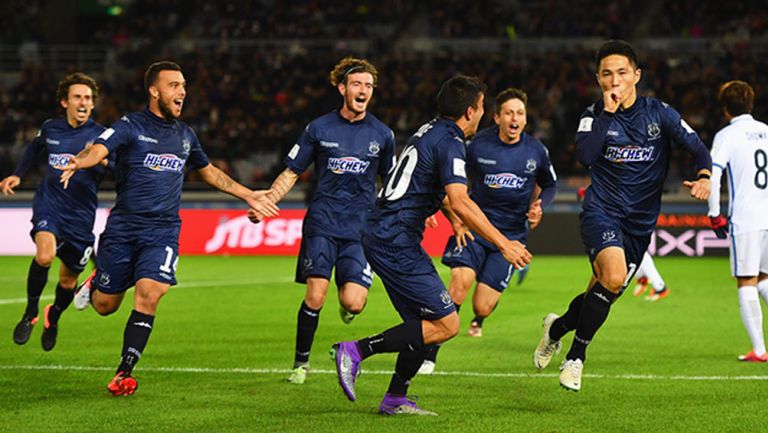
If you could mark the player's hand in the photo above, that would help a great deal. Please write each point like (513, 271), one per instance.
(461, 233)
(261, 205)
(8, 184)
(612, 99)
(431, 222)
(68, 171)
(516, 254)
(699, 188)
(534, 214)
(719, 226)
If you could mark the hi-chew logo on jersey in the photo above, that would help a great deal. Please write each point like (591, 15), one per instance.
(504, 180)
(628, 153)
(164, 162)
(59, 160)
(348, 164)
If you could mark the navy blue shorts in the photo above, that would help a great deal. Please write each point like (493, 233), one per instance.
(599, 231)
(125, 259)
(73, 252)
(320, 254)
(410, 278)
(489, 265)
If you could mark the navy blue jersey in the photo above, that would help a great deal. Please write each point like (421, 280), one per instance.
(74, 207)
(434, 157)
(629, 170)
(151, 154)
(503, 178)
(347, 157)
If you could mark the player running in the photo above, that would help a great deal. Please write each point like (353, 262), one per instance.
(512, 178)
(741, 147)
(62, 219)
(648, 276)
(140, 243)
(349, 148)
(625, 141)
(431, 166)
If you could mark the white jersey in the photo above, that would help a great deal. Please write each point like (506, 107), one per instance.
(741, 149)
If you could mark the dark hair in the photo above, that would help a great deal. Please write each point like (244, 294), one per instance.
(351, 65)
(510, 93)
(457, 94)
(150, 76)
(618, 47)
(737, 97)
(62, 92)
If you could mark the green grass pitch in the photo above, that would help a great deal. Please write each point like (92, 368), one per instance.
(223, 342)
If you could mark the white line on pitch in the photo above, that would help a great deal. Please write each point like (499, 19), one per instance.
(387, 372)
(189, 285)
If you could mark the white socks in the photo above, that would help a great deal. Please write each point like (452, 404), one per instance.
(752, 316)
(762, 288)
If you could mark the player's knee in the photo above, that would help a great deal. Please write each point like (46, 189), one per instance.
(613, 281)
(45, 258)
(483, 309)
(315, 300)
(450, 326)
(68, 283)
(355, 306)
(104, 308)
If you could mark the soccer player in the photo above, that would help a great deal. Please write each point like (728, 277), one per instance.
(349, 148)
(512, 178)
(741, 147)
(646, 275)
(625, 141)
(430, 167)
(139, 245)
(62, 219)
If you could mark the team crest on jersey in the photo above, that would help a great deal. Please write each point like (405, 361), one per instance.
(530, 166)
(445, 297)
(348, 164)
(628, 153)
(608, 236)
(373, 148)
(59, 160)
(654, 131)
(504, 180)
(164, 162)
(185, 145)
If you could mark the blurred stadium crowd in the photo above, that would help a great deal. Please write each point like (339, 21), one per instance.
(257, 70)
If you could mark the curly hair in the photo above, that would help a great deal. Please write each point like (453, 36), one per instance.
(62, 92)
(350, 65)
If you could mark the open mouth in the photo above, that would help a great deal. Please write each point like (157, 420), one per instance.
(178, 103)
(514, 128)
(82, 110)
(361, 99)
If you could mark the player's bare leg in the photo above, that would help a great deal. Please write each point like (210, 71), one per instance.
(484, 301)
(45, 252)
(352, 300)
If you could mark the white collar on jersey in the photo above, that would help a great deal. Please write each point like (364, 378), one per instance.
(742, 117)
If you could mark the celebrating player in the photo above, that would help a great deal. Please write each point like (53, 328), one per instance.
(140, 243)
(62, 219)
(741, 147)
(512, 178)
(431, 166)
(349, 148)
(625, 140)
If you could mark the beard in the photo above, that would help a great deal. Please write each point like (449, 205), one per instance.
(165, 110)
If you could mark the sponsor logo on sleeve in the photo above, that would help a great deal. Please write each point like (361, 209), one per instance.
(586, 124)
(459, 169)
(107, 133)
(294, 151)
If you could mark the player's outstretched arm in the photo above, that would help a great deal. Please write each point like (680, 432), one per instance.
(701, 187)
(513, 251)
(8, 184)
(87, 158)
(216, 178)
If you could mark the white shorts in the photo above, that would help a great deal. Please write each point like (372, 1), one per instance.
(749, 254)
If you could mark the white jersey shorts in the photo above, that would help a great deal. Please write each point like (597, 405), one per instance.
(749, 254)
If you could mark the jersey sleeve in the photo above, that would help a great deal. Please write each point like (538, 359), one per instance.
(31, 153)
(452, 161)
(197, 156)
(590, 136)
(117, 135)
(302, 153)
(682, 134)
(720, 159)
(388, 157)
(546, 176)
